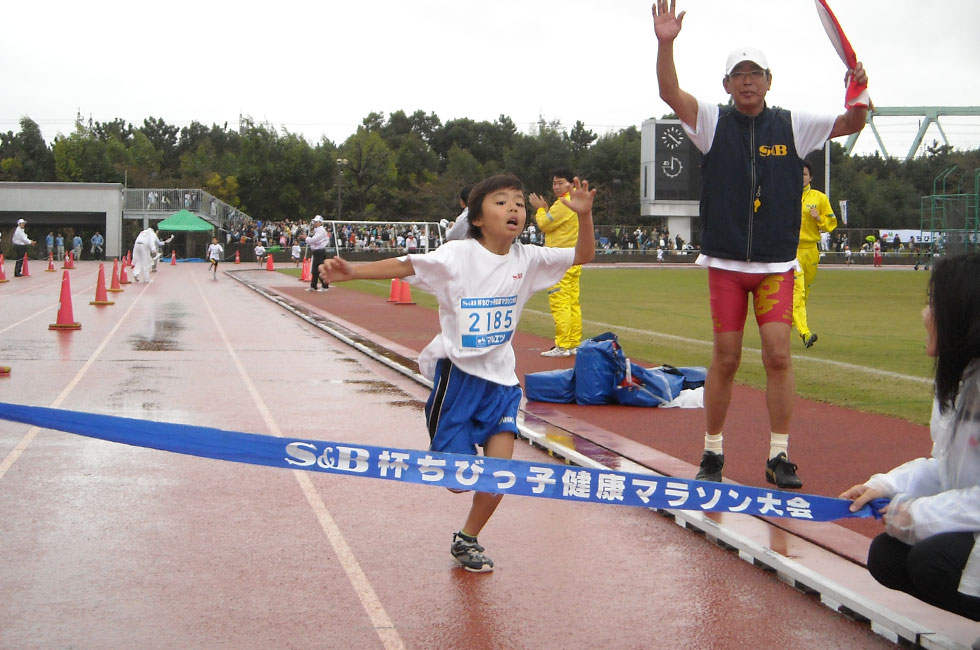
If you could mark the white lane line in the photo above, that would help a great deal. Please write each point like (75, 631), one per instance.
(796, 358)
(32, 316)
(383, 625)
(27, 288)
(25, 442)
(56, 305)
(609, 327)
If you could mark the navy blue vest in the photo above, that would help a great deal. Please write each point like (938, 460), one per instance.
(750, 191)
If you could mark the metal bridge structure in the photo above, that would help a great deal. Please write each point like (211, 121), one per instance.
(929, 115)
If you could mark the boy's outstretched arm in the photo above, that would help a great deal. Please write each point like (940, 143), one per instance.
(337, 269)
(580, 202)
(667, 26)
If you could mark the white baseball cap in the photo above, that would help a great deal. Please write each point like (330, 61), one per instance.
(740, 54)
(318, 218)
(20, 221)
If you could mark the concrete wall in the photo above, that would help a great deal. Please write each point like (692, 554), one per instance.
(48, 206)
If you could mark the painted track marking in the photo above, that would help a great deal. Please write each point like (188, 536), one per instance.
(796, 357)
(383, 625)
(25, 442)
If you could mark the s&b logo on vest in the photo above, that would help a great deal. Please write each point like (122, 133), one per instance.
(773, 150)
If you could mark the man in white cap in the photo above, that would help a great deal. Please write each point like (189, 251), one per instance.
(156, 248)
(752, 173)
(317, 241)
(21, 243)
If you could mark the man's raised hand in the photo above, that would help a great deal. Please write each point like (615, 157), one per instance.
(666, 25)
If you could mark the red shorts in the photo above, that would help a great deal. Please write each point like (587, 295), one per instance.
(772, 298)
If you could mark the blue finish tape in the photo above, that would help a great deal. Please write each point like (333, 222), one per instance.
(479, 473)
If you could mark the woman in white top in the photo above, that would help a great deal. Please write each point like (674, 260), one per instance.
(929, 548)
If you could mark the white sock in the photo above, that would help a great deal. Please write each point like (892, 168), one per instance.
(778, 444)
(713, 443)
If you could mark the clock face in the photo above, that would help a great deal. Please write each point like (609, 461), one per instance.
(672, 137)
(672, 168)
(673, 172)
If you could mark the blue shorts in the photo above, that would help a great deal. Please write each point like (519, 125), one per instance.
(464, 411)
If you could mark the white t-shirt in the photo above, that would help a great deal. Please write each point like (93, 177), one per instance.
(810, 131)
(20, 237)
(318, 240)
(460, 227)
(481, 295)
(215, 252)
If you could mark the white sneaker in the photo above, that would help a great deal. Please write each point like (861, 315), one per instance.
(556, 351)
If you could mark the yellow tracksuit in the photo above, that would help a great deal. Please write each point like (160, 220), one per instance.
(560, 227)
(808, 252)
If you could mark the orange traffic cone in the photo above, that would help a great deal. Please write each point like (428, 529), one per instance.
(101, 298)
(69, 262)
(307, 274)
(24, 273)
(269, 264)
(123, 278)
(3, 274)
(66, 320)
(129, 259)
(395, 289)
(405, 294)
(173, 258)
(50, 268)
(238, 257)
(115, 277)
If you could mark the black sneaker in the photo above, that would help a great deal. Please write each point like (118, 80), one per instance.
(782, 473)
(711, 465)
(470, 554)
(808, 341)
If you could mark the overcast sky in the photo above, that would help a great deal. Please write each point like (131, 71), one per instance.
(318, 69)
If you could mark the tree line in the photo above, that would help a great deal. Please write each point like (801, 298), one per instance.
(403, 167)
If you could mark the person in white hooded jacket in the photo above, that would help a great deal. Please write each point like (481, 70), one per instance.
(143, 255)
(930, 546)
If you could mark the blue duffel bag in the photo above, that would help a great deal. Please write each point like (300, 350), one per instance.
(648, 386)
(550, 386)
(693, 376)
(599, 367)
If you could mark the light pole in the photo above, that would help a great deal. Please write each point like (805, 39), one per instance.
(340, 177)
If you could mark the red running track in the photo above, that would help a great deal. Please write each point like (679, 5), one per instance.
(106, 545)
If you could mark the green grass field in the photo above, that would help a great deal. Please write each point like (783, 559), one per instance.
(870, 354)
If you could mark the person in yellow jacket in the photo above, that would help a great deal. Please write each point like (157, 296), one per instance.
(817, 217)
(560, 227)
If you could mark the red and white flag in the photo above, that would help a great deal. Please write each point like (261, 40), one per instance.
(856, 94)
